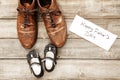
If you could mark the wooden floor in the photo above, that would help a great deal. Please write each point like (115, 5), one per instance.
(78, 59)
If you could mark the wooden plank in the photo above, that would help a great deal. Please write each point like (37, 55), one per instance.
(8, 27)
(81, 69)
(85, 8)
(74, 48)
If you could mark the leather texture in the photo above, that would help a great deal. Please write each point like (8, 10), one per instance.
(54, 21)
(48, 51)
(26, 23)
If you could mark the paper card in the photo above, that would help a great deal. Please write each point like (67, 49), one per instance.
(92, 32)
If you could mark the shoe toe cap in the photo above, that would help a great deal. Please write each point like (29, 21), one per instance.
(58, 38)
(27, 42)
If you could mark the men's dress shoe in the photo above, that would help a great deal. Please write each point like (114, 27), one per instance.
(54, 21)
(26, 24)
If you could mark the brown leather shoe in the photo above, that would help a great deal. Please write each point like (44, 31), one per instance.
(54, 21)
(26, 24)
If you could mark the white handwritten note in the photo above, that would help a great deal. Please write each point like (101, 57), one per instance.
(92, 32)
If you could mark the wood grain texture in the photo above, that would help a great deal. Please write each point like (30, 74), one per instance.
(78, 59)
(74, 48)
(85, 8)
(64, 70)
(8, 28)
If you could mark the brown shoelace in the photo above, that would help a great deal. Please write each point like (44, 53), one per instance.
(49, 14)
(26, 13)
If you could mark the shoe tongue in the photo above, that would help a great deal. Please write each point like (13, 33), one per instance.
(26, 5)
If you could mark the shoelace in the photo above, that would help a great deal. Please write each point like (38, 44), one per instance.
(26, 12)
(49, 14)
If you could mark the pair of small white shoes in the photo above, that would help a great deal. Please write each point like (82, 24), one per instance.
(49, 60)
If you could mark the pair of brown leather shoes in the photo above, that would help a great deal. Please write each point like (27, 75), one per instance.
(52, 17)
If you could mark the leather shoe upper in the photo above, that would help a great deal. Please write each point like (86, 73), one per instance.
(26, 24)
(54, 21)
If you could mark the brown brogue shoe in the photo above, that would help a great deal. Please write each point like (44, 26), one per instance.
(54, 21)
(26, 23)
